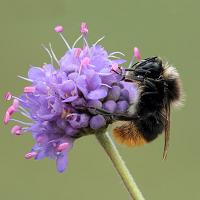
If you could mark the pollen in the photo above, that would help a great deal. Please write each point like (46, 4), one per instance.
(73, 92)
(64, 114)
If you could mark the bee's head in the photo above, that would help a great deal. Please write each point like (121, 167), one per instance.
(148, 68)
(164, 77)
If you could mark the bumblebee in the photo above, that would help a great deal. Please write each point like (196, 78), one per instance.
(160, 87)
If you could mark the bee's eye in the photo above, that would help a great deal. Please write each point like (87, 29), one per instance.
(140, 77)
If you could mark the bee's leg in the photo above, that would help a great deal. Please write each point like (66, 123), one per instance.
(97, 110)
(138, 78)
(121, 117)
(155, 80)
(129, 70)
(142, 71)
(150, 84)
(145, 61)
(139, 70)
(107, 113)
(113, 116)
(148, 93)
(127, 80)
(116, 116)
(100, 111)
(145, 71)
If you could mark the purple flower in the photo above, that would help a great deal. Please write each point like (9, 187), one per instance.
(97, 122)
(60, 103)
(110, 106)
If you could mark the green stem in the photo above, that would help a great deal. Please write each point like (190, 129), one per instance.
(110, 148)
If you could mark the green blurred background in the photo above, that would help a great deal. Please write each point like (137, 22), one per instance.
(169, 29)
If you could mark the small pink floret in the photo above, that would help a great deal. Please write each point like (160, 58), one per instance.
(62, 146)
(16, 130)
(6, 118)
(59, 29)
(85, 61)
(30, 155)
(84, 28)
(15, 104)
(137, 53)
(29, 89)
(7, 96)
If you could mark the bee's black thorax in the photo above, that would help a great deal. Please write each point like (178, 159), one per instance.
(153, 97)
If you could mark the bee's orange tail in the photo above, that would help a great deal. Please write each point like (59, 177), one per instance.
(129, 135)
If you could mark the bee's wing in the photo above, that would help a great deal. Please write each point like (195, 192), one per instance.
(167, 130)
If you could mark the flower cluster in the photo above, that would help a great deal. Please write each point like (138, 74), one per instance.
(61, 102)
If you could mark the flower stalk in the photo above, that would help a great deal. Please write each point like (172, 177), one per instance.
(110, 148)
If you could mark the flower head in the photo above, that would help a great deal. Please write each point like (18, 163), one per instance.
(7, 96)
(59, 29)
(60, 103)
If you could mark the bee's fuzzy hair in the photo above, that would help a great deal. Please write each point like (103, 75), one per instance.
(175, 92)
(127, 133)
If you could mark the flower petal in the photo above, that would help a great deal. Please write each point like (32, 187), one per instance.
(93, 79)
(132, 91)
(97, 94)
(70, 99)
(122, 106)
(114, 93)
(119, 61)
(61, 163)
(36, 74)
(110, 106)
(97, 122)
(82, 85)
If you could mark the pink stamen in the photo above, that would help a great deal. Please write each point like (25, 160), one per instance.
(84, 28)
(137, 53)
(77, 52)
(85, 61)
(6, 118)
(7, 96)
(12, 109)
(62, 146)
(30, 155)
(16, 130)
(15, 104)
(29, 89)
(59, 29)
